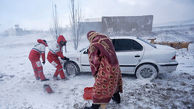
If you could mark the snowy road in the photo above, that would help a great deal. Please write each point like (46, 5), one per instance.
(20, 90)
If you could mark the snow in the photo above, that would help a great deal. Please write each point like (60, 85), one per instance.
(20, 90)
(174, 33)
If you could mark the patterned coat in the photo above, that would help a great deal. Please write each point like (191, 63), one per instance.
(105, 67)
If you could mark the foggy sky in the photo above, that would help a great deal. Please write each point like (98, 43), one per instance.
(37, 14)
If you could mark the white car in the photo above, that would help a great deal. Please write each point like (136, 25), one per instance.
(135, 56)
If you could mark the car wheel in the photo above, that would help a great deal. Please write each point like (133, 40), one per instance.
(146, 72)
(72, 69)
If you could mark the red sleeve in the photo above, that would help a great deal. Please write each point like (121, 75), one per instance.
(60, 54)
(43, 57)
(94, 60)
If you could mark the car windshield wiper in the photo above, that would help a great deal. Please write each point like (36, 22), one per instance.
(82, 49)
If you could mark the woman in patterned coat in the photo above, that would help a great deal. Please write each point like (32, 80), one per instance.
(105, 69)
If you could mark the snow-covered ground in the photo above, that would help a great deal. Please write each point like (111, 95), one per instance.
(20, 90)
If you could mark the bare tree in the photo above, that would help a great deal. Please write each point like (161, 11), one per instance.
(75, 19)
(55, 29)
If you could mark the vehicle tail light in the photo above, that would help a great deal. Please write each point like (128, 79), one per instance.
(174, 57)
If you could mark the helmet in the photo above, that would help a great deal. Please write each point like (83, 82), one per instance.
(61, 40)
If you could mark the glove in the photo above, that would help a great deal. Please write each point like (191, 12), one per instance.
(65, 58)
(43, 62)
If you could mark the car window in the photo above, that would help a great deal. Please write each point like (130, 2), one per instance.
(126, 45)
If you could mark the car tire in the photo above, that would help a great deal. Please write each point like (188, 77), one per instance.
(72, 69)
(146, 72)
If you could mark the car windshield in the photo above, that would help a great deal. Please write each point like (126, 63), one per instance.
(146, 42)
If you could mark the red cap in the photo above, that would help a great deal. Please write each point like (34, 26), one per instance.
(61, 38)
(42, 41)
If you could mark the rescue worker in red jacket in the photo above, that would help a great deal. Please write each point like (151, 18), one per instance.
(55, 51)
(34, 56)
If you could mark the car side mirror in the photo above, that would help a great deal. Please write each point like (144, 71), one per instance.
(86, 51)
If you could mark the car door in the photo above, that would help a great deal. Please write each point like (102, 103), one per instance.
(85, 65)
(129, 53)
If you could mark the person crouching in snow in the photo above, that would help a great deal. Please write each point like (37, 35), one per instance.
(55, 51)
(105, 69)
(34, 56)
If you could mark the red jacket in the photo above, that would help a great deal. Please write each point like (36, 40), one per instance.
(37, 50)
(56, 48)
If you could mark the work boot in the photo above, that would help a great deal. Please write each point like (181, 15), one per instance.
(55, 78)
(65, 79)
(37, 78)
(94, 106)
(116, 97)
(45, 79)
